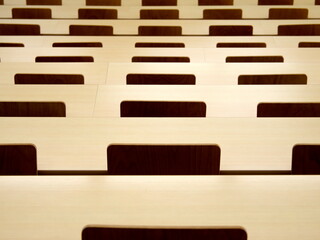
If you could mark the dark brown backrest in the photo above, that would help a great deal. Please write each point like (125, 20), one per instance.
(18, 159)
(163, 159)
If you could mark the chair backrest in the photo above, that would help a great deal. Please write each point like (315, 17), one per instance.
(163, 159)
(18, 160)
(306, 159)
(95, 233)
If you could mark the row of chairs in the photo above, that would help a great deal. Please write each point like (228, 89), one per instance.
(172, 28)
(217, 14)
(161, 2)
(154, 159)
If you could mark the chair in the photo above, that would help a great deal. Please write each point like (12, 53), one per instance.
(18, 160)
(306, 159)
(288, 110)
(162, 109)
(32, 109)
(198, 233)
(163, 159)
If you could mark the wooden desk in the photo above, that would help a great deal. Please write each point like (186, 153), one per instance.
(195, 55)
(116, 73)
(130, 27)
(185, 11)
(58, 208)
(138, 2)
(190, 42)
(211, 73)
(221, 101)
(81, 143)
(105, 100)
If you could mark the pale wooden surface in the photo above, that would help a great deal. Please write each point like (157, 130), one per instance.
(130, 27)
(116, 73)
(185, 12)
(210, 73)
(105, 100)
(81, 143)
(221, 101)
(138, 2)
(190, 42)
(58, 208)
(196, 55)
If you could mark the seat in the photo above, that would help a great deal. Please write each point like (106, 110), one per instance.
(273, 79)
(214, 2)
(86, 13)
(159, 14)
(162, 109)
(159, 2)
(230, 30)
(222, 14)
(18, 160)
(163, 159)
(32, 109)
(48, 79)
(161, 79)
(44, 2)
(19, 29)
(275, 2)
(288, 13)
(299, 30)
(190, 233)
(103, 2)
(31, 13)
(288, 110)
(90, 30)
(306, 159)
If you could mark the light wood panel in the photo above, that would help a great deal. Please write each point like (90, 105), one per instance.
(104, 101)
(211, 73)
(130, 27)
(185, 12)
(190, 42)
(41, 206)
(81, 143)
(196, 55)
(138, 2)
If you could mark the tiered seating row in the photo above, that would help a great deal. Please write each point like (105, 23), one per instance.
(160, 27)
(156, 12)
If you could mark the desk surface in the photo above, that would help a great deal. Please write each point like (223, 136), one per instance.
(105, 100)
(189, 41)
(185, 12)
(196, 55)
(130, 27)
(58, 208)
(81, 143)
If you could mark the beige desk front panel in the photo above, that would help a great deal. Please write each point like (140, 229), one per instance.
(196, 55)
(58, 208)
(130, 27)
(190, 42)
(185, 12)
(211, 73)
(105, 100)
(81, 143)
(138, 2)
